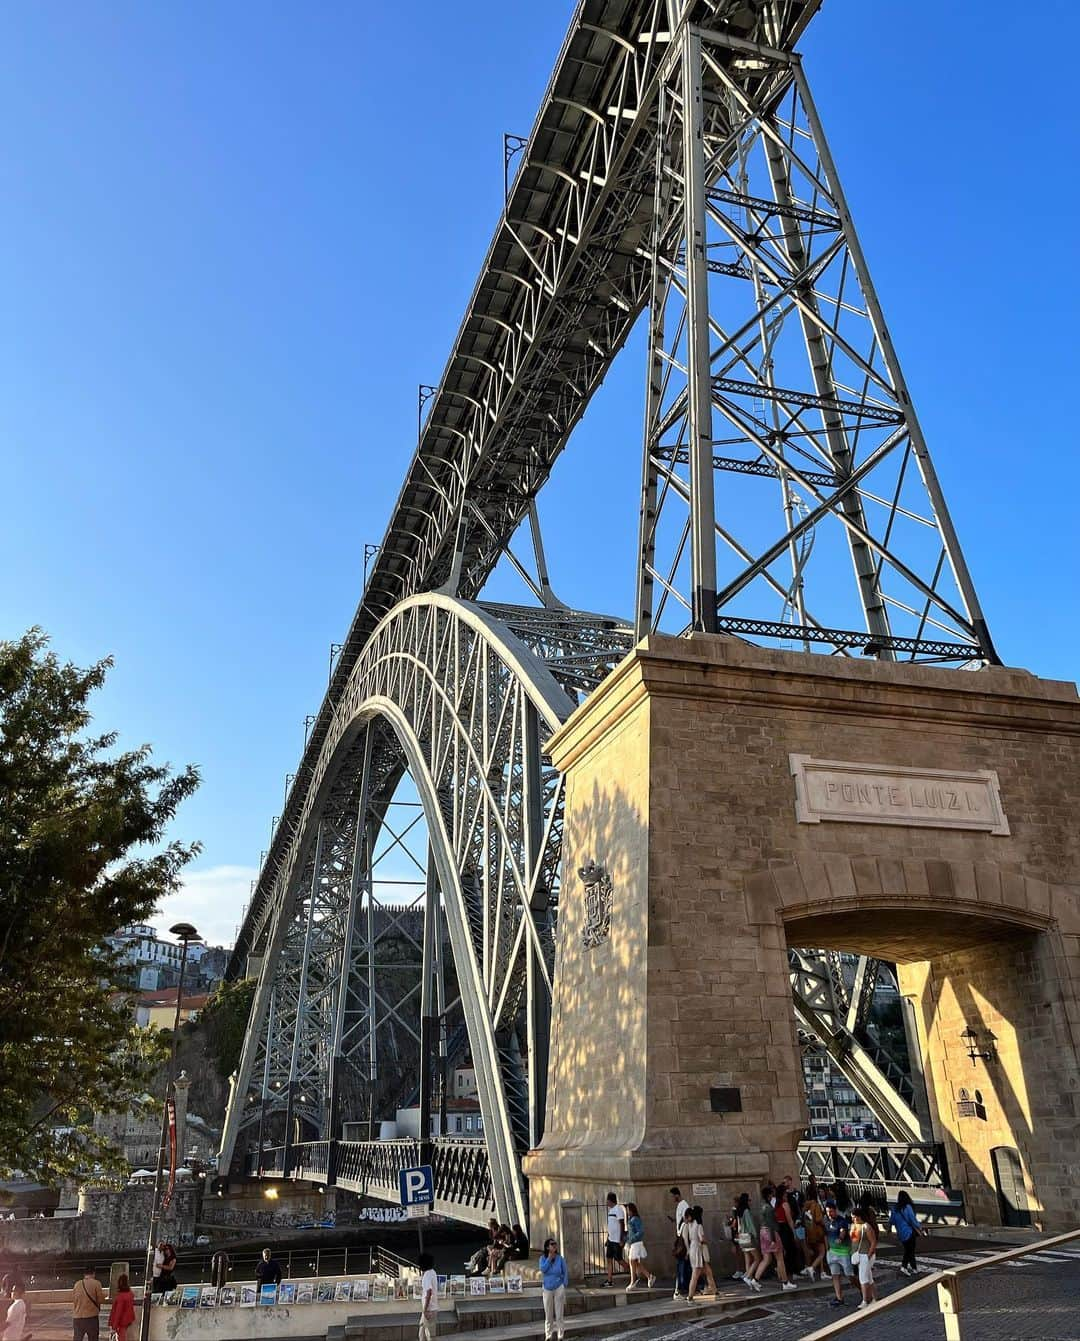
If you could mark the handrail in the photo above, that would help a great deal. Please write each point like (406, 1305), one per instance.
(948, 1283)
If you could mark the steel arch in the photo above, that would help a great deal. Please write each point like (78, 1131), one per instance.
(468, 704)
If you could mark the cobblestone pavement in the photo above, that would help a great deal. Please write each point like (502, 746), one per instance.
(1035, 1299)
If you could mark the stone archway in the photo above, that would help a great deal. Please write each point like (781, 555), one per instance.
(979, 952)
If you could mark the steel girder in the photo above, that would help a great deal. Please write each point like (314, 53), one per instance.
(832, 1005)
(773, 387)
(449, 694)
(565, 278)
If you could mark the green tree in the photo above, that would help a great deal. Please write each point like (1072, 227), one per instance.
(223, 1023)
(81, 828)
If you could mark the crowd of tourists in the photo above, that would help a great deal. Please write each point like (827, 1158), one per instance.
(811, 1232)
(782, 1230)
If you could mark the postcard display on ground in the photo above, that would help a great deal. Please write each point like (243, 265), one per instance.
(334, 1291)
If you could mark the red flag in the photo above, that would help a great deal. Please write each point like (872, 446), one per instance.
(170, 1108)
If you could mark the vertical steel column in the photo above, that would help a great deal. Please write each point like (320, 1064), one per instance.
(266, 1078)
(538, 1002)
(429, 1023)
(654, 384)
(699, 372)
(440, 1013)
(950, 539)
(373, 1057)
(301, 1003)
(359, 876)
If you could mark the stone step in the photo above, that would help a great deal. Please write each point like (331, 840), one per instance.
(589, 1313)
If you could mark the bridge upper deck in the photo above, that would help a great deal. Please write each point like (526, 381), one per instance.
(563, 282)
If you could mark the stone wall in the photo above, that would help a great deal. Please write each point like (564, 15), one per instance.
(679, 781)
(107, 1222)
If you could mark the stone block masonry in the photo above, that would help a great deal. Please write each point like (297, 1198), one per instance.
(679, 782)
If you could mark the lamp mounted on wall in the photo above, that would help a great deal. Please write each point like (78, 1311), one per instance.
(972, 1040)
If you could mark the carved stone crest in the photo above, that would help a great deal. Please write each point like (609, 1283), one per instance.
(598, 889)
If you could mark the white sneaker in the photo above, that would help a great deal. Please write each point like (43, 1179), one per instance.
(676, 1295)
(754, 1284)
(861, 1303)
(789, 1285)
(632, 1286)
(738, 1275)
(652, 1281)
(808, 1272)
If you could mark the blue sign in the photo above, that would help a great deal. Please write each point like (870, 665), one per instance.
(417, 1186)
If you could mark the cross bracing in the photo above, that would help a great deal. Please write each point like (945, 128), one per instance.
(677, 168)
(462, 703)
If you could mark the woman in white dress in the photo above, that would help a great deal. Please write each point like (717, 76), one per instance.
(698, 1247)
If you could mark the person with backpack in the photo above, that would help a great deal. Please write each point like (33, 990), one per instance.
(906, 1224)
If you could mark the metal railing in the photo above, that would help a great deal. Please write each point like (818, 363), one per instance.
(948, 1288)
(460, 1166)
(879, 1169)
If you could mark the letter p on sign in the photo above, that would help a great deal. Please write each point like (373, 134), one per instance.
(417, 1186)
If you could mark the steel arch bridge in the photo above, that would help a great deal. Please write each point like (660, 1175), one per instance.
(462, 702)
(677, 168)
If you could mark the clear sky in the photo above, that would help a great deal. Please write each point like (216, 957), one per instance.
(236, 237)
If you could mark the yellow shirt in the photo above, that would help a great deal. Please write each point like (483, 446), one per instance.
(87, 1298)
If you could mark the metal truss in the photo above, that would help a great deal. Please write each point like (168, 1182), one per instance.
(774, 390)
(833, 996)
(453, 697)
(563, 282)
(678, 166)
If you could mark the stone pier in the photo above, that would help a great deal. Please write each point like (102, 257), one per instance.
(725, 801)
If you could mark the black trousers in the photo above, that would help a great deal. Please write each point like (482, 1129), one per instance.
(792, 1258)
(86, 1328)
(909, 1252)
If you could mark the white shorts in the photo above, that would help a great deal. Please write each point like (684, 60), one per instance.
(637, 1252)
(866, 1269)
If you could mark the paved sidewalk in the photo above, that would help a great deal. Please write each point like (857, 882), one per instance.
(1034, 1299)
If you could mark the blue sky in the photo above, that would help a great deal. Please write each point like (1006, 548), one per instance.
(237, 236)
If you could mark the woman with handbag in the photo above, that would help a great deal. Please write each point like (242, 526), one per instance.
(122, 1313)
(906, 1223)
(700, 1261)
(746, 1239)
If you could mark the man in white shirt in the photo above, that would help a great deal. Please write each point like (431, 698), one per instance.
(616, 1235)
(682, 1261)
(429, 1297)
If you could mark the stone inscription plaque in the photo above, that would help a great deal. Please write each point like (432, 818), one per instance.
(939, 798)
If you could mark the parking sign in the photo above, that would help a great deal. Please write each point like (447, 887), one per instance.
(417, 1186)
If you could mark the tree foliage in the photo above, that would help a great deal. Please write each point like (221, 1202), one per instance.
(223, 1022)
(81, 855)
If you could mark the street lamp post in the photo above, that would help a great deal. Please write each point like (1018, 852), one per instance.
(185, 933)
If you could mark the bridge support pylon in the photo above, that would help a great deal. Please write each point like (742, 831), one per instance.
(724, 802)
